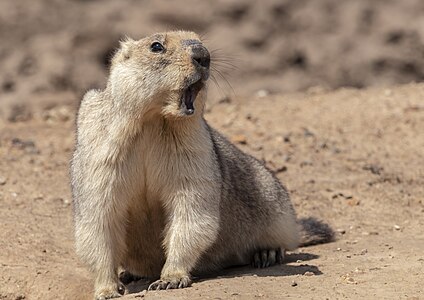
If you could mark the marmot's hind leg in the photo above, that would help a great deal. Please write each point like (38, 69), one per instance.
(268, 257)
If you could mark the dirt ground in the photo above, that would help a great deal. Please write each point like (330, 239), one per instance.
(351, 157)
(318, 93)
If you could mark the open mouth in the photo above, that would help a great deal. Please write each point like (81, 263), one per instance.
(189, 95)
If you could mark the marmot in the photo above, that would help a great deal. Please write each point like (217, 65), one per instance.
(160, 193)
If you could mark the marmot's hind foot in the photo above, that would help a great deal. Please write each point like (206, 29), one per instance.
(267, 258)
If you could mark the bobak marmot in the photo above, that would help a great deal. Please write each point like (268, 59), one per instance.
(160, 193)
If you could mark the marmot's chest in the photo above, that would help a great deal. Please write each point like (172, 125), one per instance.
(169, 163)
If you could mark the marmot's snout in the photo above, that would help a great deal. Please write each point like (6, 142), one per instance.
(201, 58)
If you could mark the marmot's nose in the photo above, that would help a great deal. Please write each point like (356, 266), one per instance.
(200, 56)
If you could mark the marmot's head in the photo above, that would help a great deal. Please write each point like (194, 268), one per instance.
(164, 73)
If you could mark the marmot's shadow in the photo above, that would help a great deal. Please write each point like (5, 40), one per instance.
(277, 270)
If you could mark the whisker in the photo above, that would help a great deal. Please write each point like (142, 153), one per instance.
(218, 86)
(221, 75)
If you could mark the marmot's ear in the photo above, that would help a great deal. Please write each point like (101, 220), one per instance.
(126, 45)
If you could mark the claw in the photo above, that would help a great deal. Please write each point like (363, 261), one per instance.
(178, 283)
(266, 258)
(256, 260)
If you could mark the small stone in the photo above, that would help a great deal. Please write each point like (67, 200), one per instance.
(306, 163)
(293, 283)
(27, 145)
(239, 139)
(225, 99)
(281, 169)
(373, 168)
(364, 251)
(141, 294)
(353, 202)
(339, 249)
(299, 261)
(341, 231)
(307, 132)
(396, 227)
(19, 113)
(308, 273)
(348, 279)
(57, 114)
(262, 93)
(3, 180)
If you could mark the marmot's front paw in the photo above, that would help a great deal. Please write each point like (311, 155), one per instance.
(109, 293)
(177, 282)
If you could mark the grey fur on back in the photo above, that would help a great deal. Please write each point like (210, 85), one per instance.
(255, 210)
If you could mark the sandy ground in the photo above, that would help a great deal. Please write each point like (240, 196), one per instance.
(353, 157)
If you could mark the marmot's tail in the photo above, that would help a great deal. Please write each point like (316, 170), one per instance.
(313, 231)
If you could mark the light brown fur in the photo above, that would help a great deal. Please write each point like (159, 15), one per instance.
(157, 191)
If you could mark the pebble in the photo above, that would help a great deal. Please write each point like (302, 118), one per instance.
(341, 231)
(57, 114)
(225, 99)
(281, 169)
(353, 202)
(262, 93)
(141, 294)
(364, 251)
(27, 145)
(239, 139)
(19, 113)
(396, 227)
(294, 283)
(349, 279)
(3, 180)
(308, 273)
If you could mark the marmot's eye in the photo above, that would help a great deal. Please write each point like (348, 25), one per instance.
(157, 47)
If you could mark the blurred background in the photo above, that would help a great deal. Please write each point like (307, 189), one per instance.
(54, 50)
(350, 157)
